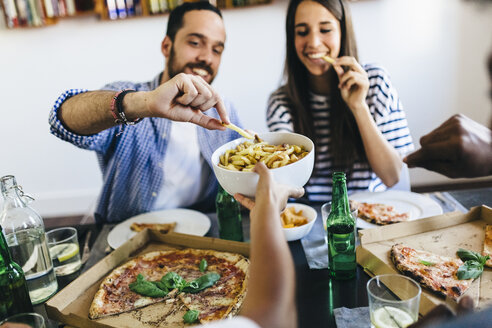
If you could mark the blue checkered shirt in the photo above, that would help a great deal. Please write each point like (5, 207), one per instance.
(131, 163)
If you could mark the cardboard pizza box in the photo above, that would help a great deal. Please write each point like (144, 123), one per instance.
(71, 305)
(442, 234)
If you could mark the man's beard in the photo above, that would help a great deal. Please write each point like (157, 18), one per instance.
(174, 70)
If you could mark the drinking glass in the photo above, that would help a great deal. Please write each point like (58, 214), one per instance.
(325, 211)
(64, 250)
(393, 301)
(30, 319)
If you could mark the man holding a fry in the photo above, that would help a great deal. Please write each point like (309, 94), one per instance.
(150, 155)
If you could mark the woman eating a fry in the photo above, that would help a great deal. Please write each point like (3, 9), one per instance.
(350, 111)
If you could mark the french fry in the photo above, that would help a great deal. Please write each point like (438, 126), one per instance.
(290, 218)
(247, 154)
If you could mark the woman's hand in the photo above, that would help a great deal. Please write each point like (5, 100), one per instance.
(353, 82)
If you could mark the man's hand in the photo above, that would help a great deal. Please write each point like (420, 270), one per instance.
(268, 192)
(184, 98)
(460, 147)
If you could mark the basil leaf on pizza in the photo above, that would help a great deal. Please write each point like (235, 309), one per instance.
(199, 284)
(146, 288)
(473, 266)
(466, 255)
(470, 270)
(173, 280)
(161, 286)
(191, 316)
(203, 265)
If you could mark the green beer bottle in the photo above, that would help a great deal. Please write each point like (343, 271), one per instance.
(14, 296)
(341, 231)
(228, 216)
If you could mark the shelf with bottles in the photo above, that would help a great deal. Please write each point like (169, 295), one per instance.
(36, 13)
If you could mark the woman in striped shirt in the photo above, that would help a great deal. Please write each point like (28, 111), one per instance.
(351, 112)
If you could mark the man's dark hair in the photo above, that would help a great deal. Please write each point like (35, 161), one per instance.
(176, 16)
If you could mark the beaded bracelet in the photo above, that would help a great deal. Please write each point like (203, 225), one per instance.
(117, 108)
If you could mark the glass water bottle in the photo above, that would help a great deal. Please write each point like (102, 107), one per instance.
(341, 230)
(25, 235)
(14, 296)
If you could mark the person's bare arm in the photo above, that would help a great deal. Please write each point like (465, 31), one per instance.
(183, 98)
(271, 291)
(354, 84)
(383, 158)
(459, 148)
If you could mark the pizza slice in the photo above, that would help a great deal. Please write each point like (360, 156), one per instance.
(161, 227)
(225, 298)
(435, 272)
(487, 245)
(379, 214)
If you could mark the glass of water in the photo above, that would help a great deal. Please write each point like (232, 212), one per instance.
(393, 301)
(30, 319)
(64, 250)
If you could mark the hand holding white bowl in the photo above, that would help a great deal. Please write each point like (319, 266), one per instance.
(295, 174)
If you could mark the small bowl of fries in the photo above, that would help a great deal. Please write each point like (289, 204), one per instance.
(297, 221)
(290, 156)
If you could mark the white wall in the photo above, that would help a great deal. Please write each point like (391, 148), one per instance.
(434, 50)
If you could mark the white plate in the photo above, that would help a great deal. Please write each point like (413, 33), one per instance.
(187, 221)
(418, 206)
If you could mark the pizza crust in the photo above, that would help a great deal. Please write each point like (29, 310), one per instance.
(487, 244)
(161, 227)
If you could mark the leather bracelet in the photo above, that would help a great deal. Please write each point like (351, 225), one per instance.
(117, 108)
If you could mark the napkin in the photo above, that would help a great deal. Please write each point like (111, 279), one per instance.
(315, 247)
(352, 318)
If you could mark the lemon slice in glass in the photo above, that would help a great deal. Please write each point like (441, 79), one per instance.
(63, 252)
(391, 317)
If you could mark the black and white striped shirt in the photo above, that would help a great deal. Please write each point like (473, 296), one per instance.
(387, 112)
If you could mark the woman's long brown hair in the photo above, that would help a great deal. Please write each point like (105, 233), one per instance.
(346, 143)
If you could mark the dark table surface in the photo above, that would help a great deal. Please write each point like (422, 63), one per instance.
(317, 294)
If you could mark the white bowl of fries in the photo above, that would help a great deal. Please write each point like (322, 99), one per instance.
(297, 221)
(291, 164)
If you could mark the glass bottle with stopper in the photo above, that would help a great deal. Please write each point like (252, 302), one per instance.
(24, 232)
(14, 296)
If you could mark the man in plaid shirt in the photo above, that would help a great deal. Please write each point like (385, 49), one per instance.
(178, 113)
